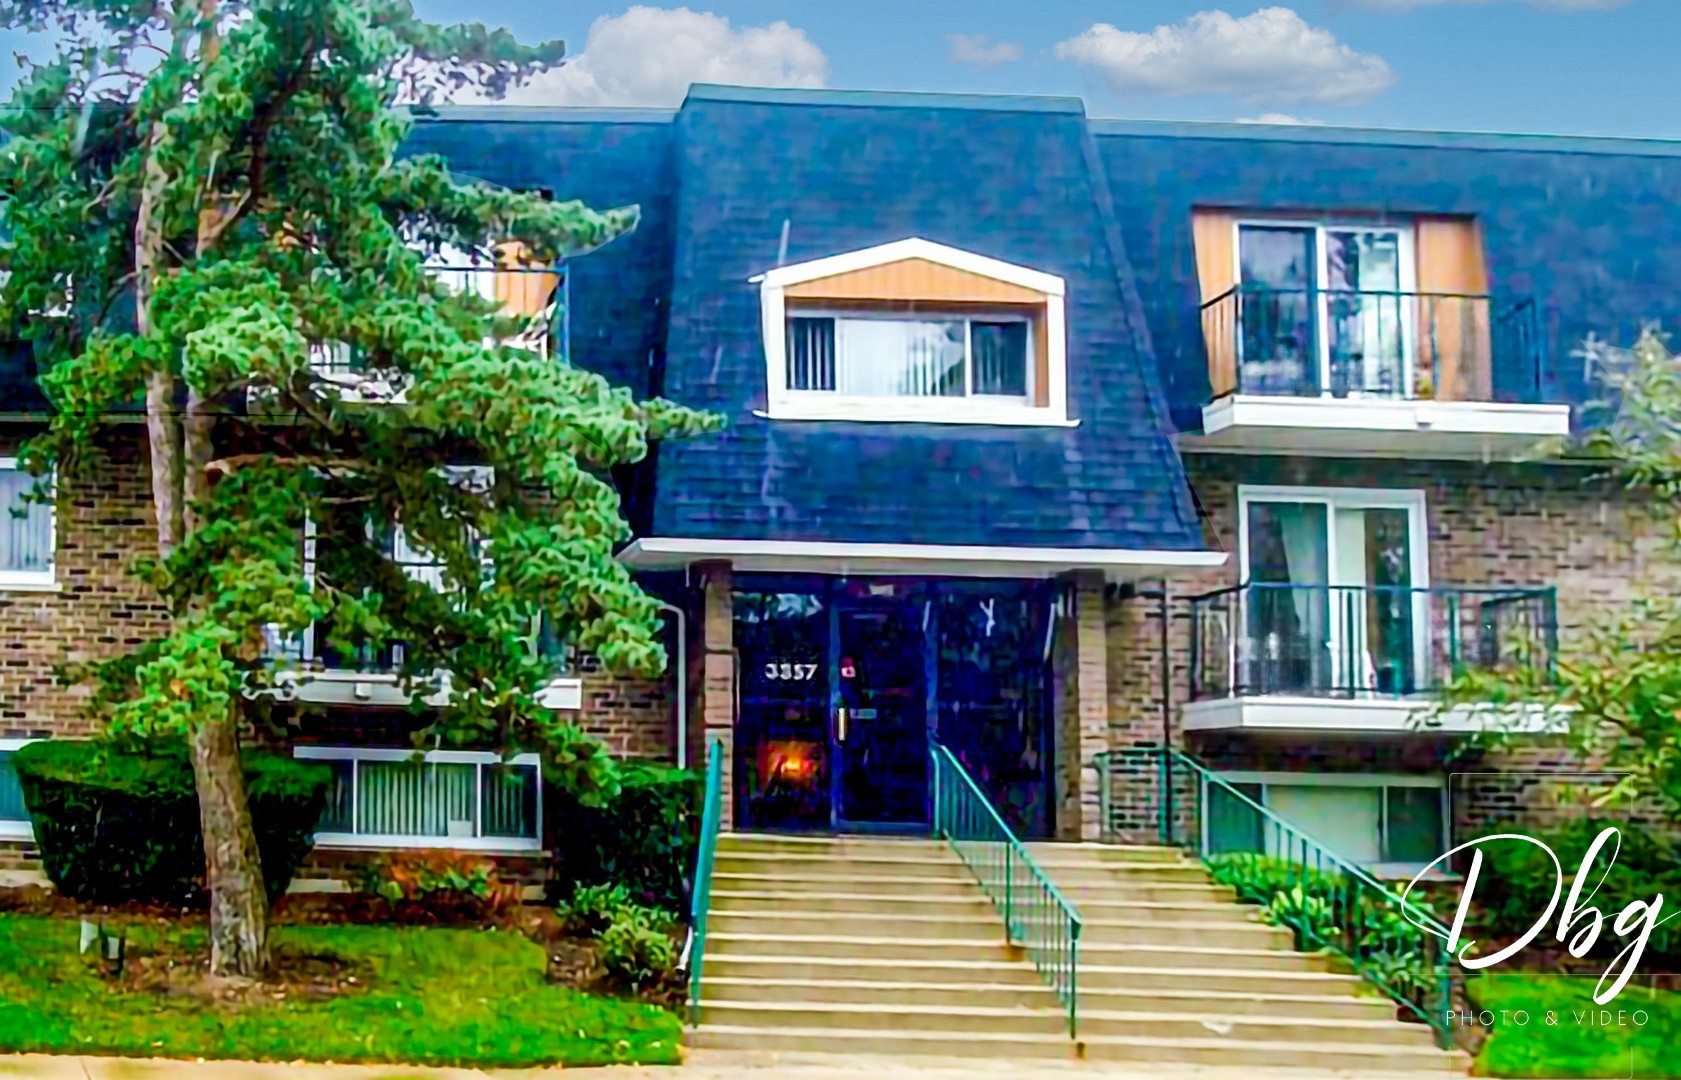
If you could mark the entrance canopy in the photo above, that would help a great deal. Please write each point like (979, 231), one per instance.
(944, 560)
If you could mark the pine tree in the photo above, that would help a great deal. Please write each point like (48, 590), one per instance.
(201, 201)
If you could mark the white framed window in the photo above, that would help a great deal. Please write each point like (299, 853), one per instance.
(1325, 308)
(1390, 823)
(1336, 594)
(14, 816)
(927, 358)
(398, 798)
(28, 540)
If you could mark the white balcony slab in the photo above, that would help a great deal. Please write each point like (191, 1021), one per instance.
(1377, 427)
(1375, 715)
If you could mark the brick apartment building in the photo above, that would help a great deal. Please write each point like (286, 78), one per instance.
(1006, 387)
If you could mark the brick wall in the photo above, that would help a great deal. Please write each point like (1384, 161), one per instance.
(635, 717)
(1488, 525)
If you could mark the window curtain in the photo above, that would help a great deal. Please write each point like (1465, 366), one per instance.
(900, 358)
(26, 530)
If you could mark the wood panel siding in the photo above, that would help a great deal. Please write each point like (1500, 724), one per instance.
(521, 292)
(914, 280)
(1454, 344)
(1214, 233)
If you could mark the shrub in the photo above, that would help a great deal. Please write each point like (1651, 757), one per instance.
(439, 887)
(637, 952)
(642, 838)
(592, 907)
(116, 825)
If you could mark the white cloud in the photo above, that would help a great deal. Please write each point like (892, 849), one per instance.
(1559, 5)
(650, 55)
(1271, 56)
(977, 50)
(1280, 118)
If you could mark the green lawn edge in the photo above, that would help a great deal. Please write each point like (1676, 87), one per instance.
(438, 997)
(1577, 1046)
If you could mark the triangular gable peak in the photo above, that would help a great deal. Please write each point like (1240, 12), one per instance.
(915, 270)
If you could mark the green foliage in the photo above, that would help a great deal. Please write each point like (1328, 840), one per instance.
(1517, 882)
(438, 997)
(116, 826)
(1332, 911)
(438, 887)
(638, 951)
(642, 838)
(592, 907)
(223, 187)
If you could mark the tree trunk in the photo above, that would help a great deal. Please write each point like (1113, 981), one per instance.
(233, 868)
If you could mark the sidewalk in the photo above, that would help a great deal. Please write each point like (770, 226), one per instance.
(702, 1065)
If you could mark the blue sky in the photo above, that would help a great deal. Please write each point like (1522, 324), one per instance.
(1570, 66)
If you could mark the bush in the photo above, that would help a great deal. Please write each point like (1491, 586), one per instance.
(642, 838)
(1517, 882)
(439, 887)
(637, 952)
(116, 826)
(592, 907)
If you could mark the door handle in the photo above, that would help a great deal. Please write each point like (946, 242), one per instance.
(840, 726)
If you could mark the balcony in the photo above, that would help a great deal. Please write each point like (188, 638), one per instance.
(1379, 373)
(1361, 659)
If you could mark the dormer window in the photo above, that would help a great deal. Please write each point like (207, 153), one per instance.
(914, 331)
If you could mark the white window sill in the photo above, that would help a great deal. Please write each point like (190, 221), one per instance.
(489, 845)
(880, 413)
(40, 585)
(17, 830)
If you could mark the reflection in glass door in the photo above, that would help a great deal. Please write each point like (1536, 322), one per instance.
(881, 715)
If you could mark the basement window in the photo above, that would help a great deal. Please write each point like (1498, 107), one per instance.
(27, 538)
(398, 798)
(14, 816)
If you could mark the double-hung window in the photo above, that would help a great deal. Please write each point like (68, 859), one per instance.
(26, 531)
(14, 816)
(443, 798)
(1379, 821)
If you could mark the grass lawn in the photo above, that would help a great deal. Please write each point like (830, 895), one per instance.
(1579, 1046)
(424, 997)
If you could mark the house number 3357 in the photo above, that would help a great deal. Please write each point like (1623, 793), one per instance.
(790, 672)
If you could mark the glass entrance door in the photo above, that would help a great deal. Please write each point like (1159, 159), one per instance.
(880, 715)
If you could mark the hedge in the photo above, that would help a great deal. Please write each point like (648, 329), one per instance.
(643, 838)
(116, 826)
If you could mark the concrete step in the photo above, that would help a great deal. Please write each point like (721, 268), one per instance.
(855, 901)
(1100, 954)
(1053, 853)
(1129, 874)
(1165, 892)
(834, 846)
(1100, 909)
(995, 970)
(1215, 1000)
(758, 943)
(1019, 1020)
(880, 994)
(759, 878)
(978, 924)
(965, 1044)
(1223, 933)
(865, 867)
(1211, 979)
(1345, 1060)
(1296, 1029)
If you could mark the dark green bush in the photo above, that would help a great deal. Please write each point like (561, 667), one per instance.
(643, 838)
(116, 826)
(637, 952)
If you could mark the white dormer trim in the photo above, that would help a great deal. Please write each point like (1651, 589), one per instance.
(914, 247)
(783, 403)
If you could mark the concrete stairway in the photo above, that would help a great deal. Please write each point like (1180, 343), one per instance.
(887, 946)
(1173, 969)
(864, 945)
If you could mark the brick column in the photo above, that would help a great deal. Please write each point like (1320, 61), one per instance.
(714, 719)
(1081, 666)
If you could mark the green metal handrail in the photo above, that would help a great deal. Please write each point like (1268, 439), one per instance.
(700, 897)
(1037, 916)
(1327, 901)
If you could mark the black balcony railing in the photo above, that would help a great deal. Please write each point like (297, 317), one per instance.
(1316, 342)
(1363, 641)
